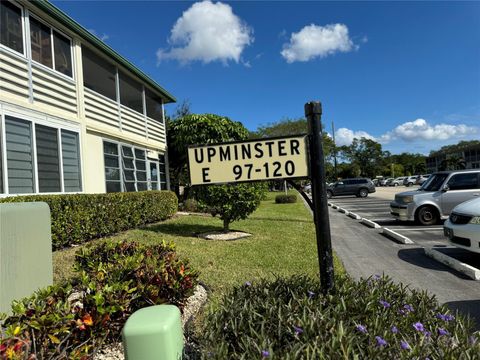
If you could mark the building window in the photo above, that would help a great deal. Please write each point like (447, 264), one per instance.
(162, 171)
(48, 44)
(19, 156)
(53, 147)
(72, 176)
(63, 56)
(11, 31)
(141, 169)
(98, 74)
(128, 163)
(40, 37)
(154, 106)
(127, 168)
(112, 167)
(131, 93)
(48, 159)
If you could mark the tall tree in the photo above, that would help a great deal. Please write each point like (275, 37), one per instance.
(367, 154)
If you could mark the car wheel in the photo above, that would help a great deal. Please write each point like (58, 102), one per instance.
(427, 215)
(363, 193)
(395, 184)
(329, 194)
(408, 184)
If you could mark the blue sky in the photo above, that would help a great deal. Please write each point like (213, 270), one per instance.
(404, 73)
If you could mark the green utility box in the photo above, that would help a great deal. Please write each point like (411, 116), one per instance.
(25, 251)
(154, 333)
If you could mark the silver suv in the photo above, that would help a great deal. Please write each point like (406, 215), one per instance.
(436, 198)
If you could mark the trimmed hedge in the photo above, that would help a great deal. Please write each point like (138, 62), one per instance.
(77, 218)
(285, 199)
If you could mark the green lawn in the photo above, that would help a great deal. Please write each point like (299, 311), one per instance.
(283, 243)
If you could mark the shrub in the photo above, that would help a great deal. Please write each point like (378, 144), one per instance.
(285, 199)
(77, 218)
(191, 205)
(369, 319)
(232, 202)
(115, 280)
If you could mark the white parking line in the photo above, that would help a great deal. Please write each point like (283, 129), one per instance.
(415, 229)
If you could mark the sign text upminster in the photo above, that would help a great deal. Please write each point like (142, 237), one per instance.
(262, 159)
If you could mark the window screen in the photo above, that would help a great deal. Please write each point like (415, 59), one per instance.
(72, 176)
(19, 156)
(98, 74)
(41, 43)
(131, 93)
(48, 161)
(63, 56)
(11, 34)
(154, 106)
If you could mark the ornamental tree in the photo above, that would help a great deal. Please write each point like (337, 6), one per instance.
(232, 202)
(195, 129)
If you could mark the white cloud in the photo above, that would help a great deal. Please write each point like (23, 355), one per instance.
(317, 41)
(421, 130)
(409, 131)
(344, 136)
(207, 32)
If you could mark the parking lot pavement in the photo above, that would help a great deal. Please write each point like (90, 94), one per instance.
(376, 207)
(365, 251)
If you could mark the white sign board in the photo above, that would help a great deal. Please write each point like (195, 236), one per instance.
(253, 160)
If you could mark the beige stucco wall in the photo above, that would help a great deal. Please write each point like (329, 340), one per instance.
(93, 164)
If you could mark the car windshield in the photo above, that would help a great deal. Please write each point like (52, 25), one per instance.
(434, 182)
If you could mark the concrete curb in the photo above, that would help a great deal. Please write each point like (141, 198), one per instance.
(470, 271)
(396, 236)
(344, 211)
(334, 206)
(370, 223)
(354, 216)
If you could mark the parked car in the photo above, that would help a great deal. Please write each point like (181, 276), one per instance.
(386, 182)
(462, 228)
(360, 187)
(397, 181)
(410, 180)
(421, 179)
(436, 198)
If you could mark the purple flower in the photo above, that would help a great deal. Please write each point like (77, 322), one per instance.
(445, 317)
(298, 330)
(265, 353)
(361, 328)
(384, 303)
(394, 329)
(376, 277)
(380, 341)
(408, 307)
(442, 332)
(248, 283)
(311, 294)
(419, 326)
(404, 345)
(427, 333)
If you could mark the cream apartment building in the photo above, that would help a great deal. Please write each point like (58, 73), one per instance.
(75, 116)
